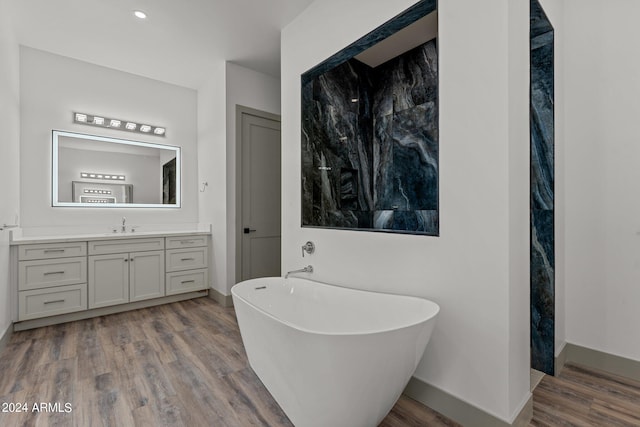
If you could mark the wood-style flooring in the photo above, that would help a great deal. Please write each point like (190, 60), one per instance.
(585, 397)
(183, 364)
(180, 364)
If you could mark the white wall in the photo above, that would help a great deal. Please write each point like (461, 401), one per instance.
(229, 86)
(212, 169)
(9, 153)
(478, 267)
(519, 208)
(602, 90)
(52, 87)
(143, 172)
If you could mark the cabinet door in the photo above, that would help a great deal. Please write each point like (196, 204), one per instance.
(108, 280)
(146, 275)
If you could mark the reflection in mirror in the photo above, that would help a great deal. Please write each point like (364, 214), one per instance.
(91, 170)
(370, 145)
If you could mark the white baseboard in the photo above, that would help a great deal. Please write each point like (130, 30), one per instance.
(6, 336)
(600, 360)
(220, 298)
(461, 411)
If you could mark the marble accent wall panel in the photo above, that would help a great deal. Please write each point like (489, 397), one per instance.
(370, 145)
(542, 192)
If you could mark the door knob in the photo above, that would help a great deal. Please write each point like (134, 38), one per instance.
(248, 230)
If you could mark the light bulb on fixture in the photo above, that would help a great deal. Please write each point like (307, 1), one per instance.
(140, 14)
(102, 121)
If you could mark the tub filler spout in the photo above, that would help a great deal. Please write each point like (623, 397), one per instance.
(307, 269)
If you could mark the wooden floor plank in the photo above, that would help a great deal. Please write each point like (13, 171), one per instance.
(581, 396)
(183, 364)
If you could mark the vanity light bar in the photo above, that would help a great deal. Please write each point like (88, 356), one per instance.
(93, 175)
(105, 122)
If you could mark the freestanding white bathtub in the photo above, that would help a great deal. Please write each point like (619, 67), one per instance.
(331, 356)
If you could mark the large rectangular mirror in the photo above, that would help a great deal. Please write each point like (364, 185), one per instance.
(92, 171)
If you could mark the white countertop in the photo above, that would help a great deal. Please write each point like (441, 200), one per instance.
(23, 240)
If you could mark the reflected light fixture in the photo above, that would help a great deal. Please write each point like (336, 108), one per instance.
(101, 121)
(110, 177)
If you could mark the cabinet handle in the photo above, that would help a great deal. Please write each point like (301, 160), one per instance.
(53, 272)
(53, 302)
(126, 260)
(46, 251)
(188, 259)
(187, 281)
(187, 242)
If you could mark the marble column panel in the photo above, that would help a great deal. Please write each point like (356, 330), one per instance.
(542, 191)
(542, 291)
(542, 146)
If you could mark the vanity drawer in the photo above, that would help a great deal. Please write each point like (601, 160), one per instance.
(178, 242)
(101, 247)
(51, 272)
(187, 281)
(186, 259)
(51, 250)
(52, 301)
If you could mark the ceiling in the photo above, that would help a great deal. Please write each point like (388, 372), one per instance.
(180, 42)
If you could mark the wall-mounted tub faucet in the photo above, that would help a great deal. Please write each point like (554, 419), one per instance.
(307, 269)
(309, 248)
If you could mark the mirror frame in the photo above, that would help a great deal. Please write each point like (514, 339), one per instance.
(55, 202)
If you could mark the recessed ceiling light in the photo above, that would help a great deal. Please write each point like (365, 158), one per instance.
(140, 14)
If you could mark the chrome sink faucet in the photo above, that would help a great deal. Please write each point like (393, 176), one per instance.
(124, 225)
(307, 269)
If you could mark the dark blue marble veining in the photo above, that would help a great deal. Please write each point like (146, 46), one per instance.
(370, 145)
(542, 191)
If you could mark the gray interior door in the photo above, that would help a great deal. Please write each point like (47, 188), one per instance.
(260, 188)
